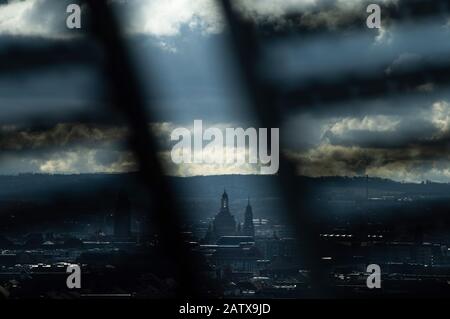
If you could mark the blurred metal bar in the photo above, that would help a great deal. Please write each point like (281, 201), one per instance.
(129, 101)
(365, 86)
(16, 58)
(244, 43)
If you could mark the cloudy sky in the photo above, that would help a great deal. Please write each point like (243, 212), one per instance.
(181, 48)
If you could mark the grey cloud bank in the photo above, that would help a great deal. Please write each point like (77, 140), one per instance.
(401, 137)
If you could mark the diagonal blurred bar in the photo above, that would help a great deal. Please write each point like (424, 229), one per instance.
(128, 100)
(262, 97)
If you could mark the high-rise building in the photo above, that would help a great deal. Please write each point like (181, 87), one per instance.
(122, 216)
(248, 229)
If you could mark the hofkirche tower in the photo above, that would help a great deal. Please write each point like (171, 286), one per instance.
(249, 228)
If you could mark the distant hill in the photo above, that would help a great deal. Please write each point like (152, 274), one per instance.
(36, 198)
(32, 186)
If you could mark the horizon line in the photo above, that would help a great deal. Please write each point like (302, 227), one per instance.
(223, 175)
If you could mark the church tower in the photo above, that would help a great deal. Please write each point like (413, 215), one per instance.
(249, 228)
(224, 223)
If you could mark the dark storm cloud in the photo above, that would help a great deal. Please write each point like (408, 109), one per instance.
(65, 136)
(61, 136)
(410, 143)
(414, 163)
(335, 16)
(289, 16)
(71, 148)
(403, 152)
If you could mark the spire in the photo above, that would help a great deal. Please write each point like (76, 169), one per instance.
(224, 222)
(224, 195)
(249, 228)
(224, 201)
